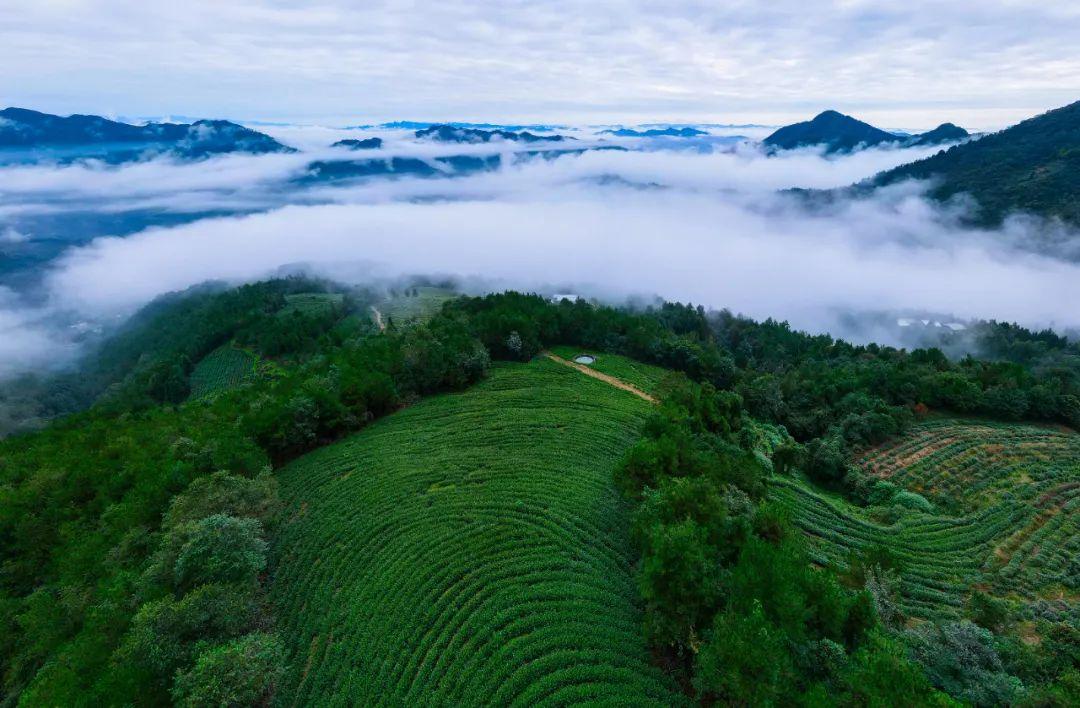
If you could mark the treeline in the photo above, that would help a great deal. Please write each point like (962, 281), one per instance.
(835, 397)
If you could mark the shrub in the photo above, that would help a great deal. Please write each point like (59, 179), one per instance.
(913, 501)
(960, 659)
(224, 493)
(242, 672)
(219, 549)
(164, 632)
(987, 611)
(744, 660)
(880, 674)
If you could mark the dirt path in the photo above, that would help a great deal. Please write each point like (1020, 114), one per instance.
(617, 383)
(378, 319)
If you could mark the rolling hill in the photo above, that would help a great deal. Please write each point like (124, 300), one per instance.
(469, 550)
(365, 144)
(836, 131)
(670, 132)
(1032, 167)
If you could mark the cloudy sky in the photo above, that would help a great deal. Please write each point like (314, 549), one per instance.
(912, 64)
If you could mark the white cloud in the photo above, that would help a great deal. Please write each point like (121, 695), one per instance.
(11, 236)
(757, 254)
(706, 227)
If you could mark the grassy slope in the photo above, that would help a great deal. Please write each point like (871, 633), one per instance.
(468, 550)
(1007, 515)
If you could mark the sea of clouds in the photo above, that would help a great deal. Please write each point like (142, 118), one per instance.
(711, 225)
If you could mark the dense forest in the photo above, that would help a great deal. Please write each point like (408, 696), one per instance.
(1031, 167)
(134, 533)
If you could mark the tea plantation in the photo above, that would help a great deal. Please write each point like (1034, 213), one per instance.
(1003, 517)
(222, 369)
(468, 550)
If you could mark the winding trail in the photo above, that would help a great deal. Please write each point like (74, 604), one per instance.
(606, 378)
(378, 319)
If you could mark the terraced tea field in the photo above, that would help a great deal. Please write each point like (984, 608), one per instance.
(470, 549)
(224, 368)
(405, 307)
(311, 303)
(1006, 518)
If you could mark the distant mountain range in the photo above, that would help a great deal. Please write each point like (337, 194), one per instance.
(455, 134)
(27, 132)
(420, 125)
(669, 132)
(1033, 166)
(841, 133)
(448, 166)
(366, 144)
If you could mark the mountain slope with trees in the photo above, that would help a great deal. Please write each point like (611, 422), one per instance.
(1032, 167)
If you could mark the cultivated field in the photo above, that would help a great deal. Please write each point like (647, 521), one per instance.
(468, 550)
(222, 369)
(311, 303)
(1006, 516)
(414, 304)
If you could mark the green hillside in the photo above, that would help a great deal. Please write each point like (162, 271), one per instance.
(1006, 500)
(468, 550)
(392, 518)
(1033, 167)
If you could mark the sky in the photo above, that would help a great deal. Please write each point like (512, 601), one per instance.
(983, 64)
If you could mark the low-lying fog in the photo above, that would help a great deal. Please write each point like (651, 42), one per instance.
(706, 225)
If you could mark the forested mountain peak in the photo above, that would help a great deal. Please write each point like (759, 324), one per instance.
(838, 132)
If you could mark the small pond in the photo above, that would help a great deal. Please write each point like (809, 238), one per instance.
(584, 359)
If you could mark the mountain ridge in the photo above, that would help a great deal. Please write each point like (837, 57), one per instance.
(841, 133)
(1033, 166)
(91, 136)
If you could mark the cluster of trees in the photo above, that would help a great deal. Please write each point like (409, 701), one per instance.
(732, 602)
(202, 634)
(835, 397)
